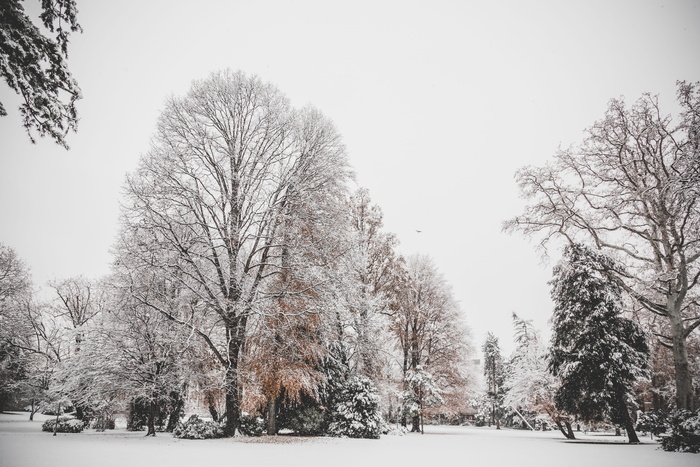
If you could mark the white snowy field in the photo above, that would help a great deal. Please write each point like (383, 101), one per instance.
(23, 444)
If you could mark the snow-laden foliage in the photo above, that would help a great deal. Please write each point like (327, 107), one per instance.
(598, 353)
(684, 432)
(196, 428)
(64, 425)
(356, 411)
(652, 422)
(34, 66)
(252, 425)
(422, 392)
(494, 374)
(528, 385)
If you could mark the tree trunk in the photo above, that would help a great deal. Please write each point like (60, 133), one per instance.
(151, 422)
(233, 403)
(567, 432)
(58, 413)
(627, 421)
(415, 424)
(272, 416)
(79, 412)
(684, 379)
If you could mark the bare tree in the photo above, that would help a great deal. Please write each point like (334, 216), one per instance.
(632, 189)
(207, 208)
(429, 332)
(78, 301)
(30, 339)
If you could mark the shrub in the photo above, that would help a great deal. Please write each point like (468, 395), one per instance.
(652, 422)
(65, 425)
(307, 421)
(103, 422)
(196, 428)
(356, 411)
(684, 433)
(252, 425)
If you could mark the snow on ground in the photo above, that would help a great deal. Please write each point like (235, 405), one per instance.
(23, 444)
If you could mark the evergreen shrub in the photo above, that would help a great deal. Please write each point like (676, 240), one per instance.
(652, 422)
(307, 421)
(252, 425)
(196, 428)
(684, 435)
(65, 425)
(356, 411)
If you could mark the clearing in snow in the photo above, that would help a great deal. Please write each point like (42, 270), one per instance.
(23, 444)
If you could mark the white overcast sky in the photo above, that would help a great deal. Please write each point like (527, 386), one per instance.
(439, 103)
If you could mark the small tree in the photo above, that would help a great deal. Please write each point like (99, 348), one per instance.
(528, 384)
(597, 353)
(422, 392)
(493, 371)
(356, 411)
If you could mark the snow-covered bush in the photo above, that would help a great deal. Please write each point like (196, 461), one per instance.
(395, 430)
(356, 412)
(196, 428)
(65, 425)
(252, 425)
(684, 433)
(652, 422)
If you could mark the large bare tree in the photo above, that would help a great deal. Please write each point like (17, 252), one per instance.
(632, 189)
(232, 164)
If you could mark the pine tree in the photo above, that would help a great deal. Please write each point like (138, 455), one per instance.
(494, 374)
(597, 352)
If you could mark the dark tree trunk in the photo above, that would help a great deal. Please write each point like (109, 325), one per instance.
(32, 411)
(55, 426)
(214, 414)
(79, 412)
(569, 430)
(415, 424)
(272, 416)
(565, 429)
(627, 421)
(232, 389)
(151, 422)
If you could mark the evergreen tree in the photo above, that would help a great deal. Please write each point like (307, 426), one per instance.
(493, 371)
(598, 353)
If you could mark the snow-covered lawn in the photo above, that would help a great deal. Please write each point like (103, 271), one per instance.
(23, 444)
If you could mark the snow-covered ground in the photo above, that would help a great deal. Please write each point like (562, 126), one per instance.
(23, 444)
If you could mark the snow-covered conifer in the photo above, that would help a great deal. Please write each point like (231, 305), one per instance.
(597, 352)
